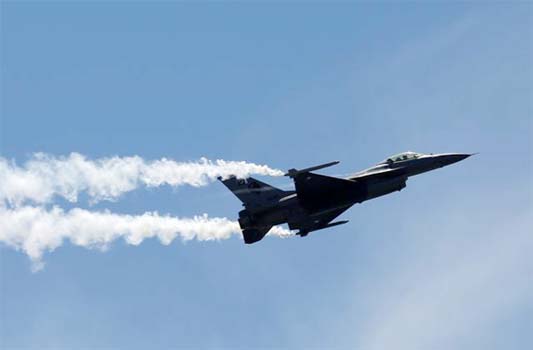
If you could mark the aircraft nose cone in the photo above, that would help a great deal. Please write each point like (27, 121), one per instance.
(453, 158)
(459, 157)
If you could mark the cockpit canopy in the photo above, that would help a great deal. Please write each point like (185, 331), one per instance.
(402, 157)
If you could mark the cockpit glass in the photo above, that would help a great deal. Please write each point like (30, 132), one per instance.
(402, 157)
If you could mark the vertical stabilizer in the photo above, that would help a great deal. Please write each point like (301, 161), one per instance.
(254, 193)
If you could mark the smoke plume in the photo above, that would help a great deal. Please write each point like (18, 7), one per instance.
(36, 230)
(44, 176)
(29, 224)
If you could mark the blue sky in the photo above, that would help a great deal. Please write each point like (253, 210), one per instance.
(445, 264)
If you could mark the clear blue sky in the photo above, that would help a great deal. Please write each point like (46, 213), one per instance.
(445, 264)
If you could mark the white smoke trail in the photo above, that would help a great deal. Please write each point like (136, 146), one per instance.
(44, 176)
(36, 230)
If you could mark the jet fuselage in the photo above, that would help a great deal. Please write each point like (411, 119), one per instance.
(318, 199)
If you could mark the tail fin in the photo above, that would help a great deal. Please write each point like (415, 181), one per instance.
(254, 193)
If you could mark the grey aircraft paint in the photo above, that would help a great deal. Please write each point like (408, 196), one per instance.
(318, 199)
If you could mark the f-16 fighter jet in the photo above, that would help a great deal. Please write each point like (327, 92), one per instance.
(318, 199)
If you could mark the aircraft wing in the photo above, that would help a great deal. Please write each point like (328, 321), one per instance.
(316, 191)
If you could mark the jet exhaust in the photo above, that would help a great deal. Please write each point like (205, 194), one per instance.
(43, 177)
(37, 230)
(31, 223)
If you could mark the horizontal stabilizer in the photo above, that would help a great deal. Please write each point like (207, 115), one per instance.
(252, 235)
(294, 172)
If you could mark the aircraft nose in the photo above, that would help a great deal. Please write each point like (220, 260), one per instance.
(447, 159)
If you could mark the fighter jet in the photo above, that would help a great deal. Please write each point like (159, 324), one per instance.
(318, 199)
